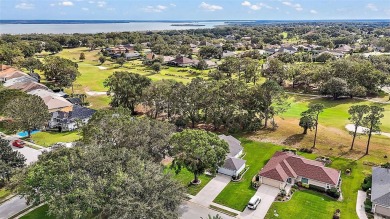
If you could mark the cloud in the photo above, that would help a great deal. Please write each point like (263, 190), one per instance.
(246, 3)
(101, 4)
(85, 9)
(208, 7)
(158, 8)
(255, 7)
(66, 3)
(372, 7)
(313, 11)
(173, 5)
(24, 6)
(297, 6)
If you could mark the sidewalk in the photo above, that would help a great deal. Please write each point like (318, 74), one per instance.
(361, 197)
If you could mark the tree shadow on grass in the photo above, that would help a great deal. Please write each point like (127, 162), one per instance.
(293, 139)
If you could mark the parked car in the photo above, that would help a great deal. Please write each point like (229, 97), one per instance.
(18, 143)
(254, 202)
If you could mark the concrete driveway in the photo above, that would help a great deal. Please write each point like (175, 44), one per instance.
(12, 207)
(30, 154)
(189, 210)
(206, 196)
(267, 194)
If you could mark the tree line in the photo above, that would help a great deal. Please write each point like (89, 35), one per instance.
(230, 104)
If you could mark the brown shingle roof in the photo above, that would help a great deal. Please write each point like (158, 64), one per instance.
(283, 165)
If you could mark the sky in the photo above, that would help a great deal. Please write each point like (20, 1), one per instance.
(193, 9)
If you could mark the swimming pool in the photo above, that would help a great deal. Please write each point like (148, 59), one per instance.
(25, 133)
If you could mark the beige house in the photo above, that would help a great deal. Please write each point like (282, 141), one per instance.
(286, 168)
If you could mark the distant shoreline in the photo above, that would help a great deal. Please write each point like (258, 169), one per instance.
(183, 21)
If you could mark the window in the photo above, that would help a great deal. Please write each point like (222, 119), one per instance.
(305, 180)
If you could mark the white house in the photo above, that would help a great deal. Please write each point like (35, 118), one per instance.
(233, 164)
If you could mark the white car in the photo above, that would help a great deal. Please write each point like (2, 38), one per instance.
(254, 202)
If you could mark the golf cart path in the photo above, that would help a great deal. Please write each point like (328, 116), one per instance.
(362, 130)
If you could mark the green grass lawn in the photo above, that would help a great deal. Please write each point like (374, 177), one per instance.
(39, 213)
(335, 113)
(237, 194)
(185, 177)
(4, 193)
(46, 139)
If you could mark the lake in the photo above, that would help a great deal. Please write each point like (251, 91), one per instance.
(98, 27)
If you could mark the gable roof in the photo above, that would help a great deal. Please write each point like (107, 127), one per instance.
(183, 60)
(233, 163)
(234, 144)
(380, 190)
(28, 86)
(283, 165)
(51, 100)
(22, 78)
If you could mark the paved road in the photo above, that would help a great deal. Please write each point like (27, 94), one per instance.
(12, 206)
(361, 197)
(191, 210)
(267, 194)
(206, 196)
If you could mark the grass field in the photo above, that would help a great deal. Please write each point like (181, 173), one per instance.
(38, 213)
(46, 139)
(4, 193)
(93, 74)
(185, 177)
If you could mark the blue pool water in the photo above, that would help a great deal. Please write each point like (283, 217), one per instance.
(25, 133)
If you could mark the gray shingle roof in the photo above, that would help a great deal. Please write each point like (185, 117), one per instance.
(234, 145)
(233, 163)
(380, 191)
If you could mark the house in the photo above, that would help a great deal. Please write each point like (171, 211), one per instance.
(210, 64)
(270, 51)
(226, 54)
(343, 48)
(68, 121)
(233, 164)
(286, 168)
(288, 49)
(23, 78)
(132, 55)
(181, 61)
(53, 102)
(10, 73)
(28, 86)
(336, 54)
(380, 192)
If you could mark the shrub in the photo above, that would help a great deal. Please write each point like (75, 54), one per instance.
(317, 188)
(367, 183)
(306, 150)
(290, 150)
(367, 205)
(336, 214)
(333, 193)
(305, 185)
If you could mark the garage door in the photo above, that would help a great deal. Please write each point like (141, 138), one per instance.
(271, 182)
(226, 171)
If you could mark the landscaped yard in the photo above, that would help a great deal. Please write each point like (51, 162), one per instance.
(310, 204)
(39, 213)
(237, 194)
(46, 139)
(186, 177)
